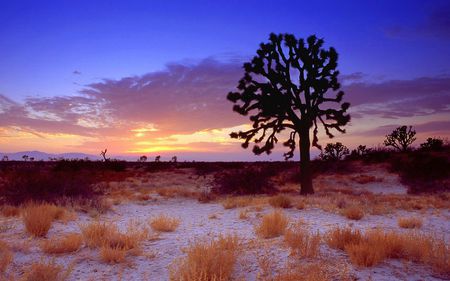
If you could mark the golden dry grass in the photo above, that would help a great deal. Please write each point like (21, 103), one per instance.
(280, 201)
(6, 256)
(304, 272)
(272, 225)
(207, 260)
(44, 271)
(353, 212)
(38, 218)
(338, 238)
(301, 242)
(9, 211)
(412, 222)
(164, 223)
(243, 214)
(95, 233)
(113, 254)
(68, 243)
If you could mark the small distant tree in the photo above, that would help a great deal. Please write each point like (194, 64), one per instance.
(401, 138)
(174, 159)
(290, 85)
(143, 158)
(158, 158)
(103, 154)
(5, 158)
(434, 144)
(334, 151)
(31, 159)
(25, 157)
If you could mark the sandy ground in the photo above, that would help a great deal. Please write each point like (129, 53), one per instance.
(196, 223)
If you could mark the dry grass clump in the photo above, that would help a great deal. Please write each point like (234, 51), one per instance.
(305, 272)
(9, 211)
(339, 238)
(280, 201)
(164, 223)
(353, 212)
(38, 218)
(412, 222)
(243, 214)
(364, 179)
(302, 242)
(272, 225)
(377, 245)
(207, 260)
(48, 271)
(239, 201)
(6, 256)
(68, 243)
(114, 245)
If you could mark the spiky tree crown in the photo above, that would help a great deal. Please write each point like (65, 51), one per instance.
(284, 87)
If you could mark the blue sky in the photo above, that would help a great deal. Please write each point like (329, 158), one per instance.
(54, 52)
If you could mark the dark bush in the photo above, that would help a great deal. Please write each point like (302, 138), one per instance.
(250, 179)
(432, 144)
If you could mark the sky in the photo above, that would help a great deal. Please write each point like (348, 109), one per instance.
(151, 77)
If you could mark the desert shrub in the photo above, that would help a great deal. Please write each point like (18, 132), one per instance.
(44, 271)
(38, 218)
(334, 152)
(6, 256)
(339, 238)
(272, 225)
(412, 222)
(422, 171)
(432, 144)
(301, 242)
(353, 212)
(68, 243)
(251, 179)
(280, 201)
(164, 223)
(207, 260)
(9, 211)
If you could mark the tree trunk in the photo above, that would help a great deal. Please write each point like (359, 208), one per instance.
(306, 186)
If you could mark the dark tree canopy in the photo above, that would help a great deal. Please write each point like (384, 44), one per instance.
(334, 151)
(401, 138)
(290, 85)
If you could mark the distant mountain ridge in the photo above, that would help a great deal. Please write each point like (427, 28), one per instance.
(39, 155)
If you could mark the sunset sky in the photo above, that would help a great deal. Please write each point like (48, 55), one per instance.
(151, 77)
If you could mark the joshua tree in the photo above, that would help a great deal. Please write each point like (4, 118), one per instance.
(434, 144)
(334, 151)
(158, 158)
(25, 157)
(143, 158)
(290, 85)
(401, 138)
(103, 154)
(5, 158)
(174, 159)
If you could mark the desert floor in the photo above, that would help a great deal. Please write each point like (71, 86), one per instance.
(133, 204)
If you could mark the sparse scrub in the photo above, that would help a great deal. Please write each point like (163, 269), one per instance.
(47, 271)
(6, 256)
(353, 212)
(412, 222)
(68, 243)
(302, 242)
(207, 260)
(164, 223)
(272, 225)
(280, 201)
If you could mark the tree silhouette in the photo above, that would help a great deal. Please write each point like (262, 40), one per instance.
(5, 158)
(285, 87)
(158, 158)
(334, 151)
(143, 158)
(174, 159)
(25, 157)
(433, 144)
(103, 154)
(401, 138)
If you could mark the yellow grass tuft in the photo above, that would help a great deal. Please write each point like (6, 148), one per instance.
(412, 222)
(243, 214)
(338, 238)
(95, 233)
(164, 223)
(114, 254)
(302, 242)
(68, 243)
(48, 271)
(280, 201)
(10, 211)
(353, 212)
(207, 260)
(38, 218)
(6, 256)
(238, 201)
(272, 225)
(305, 272)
